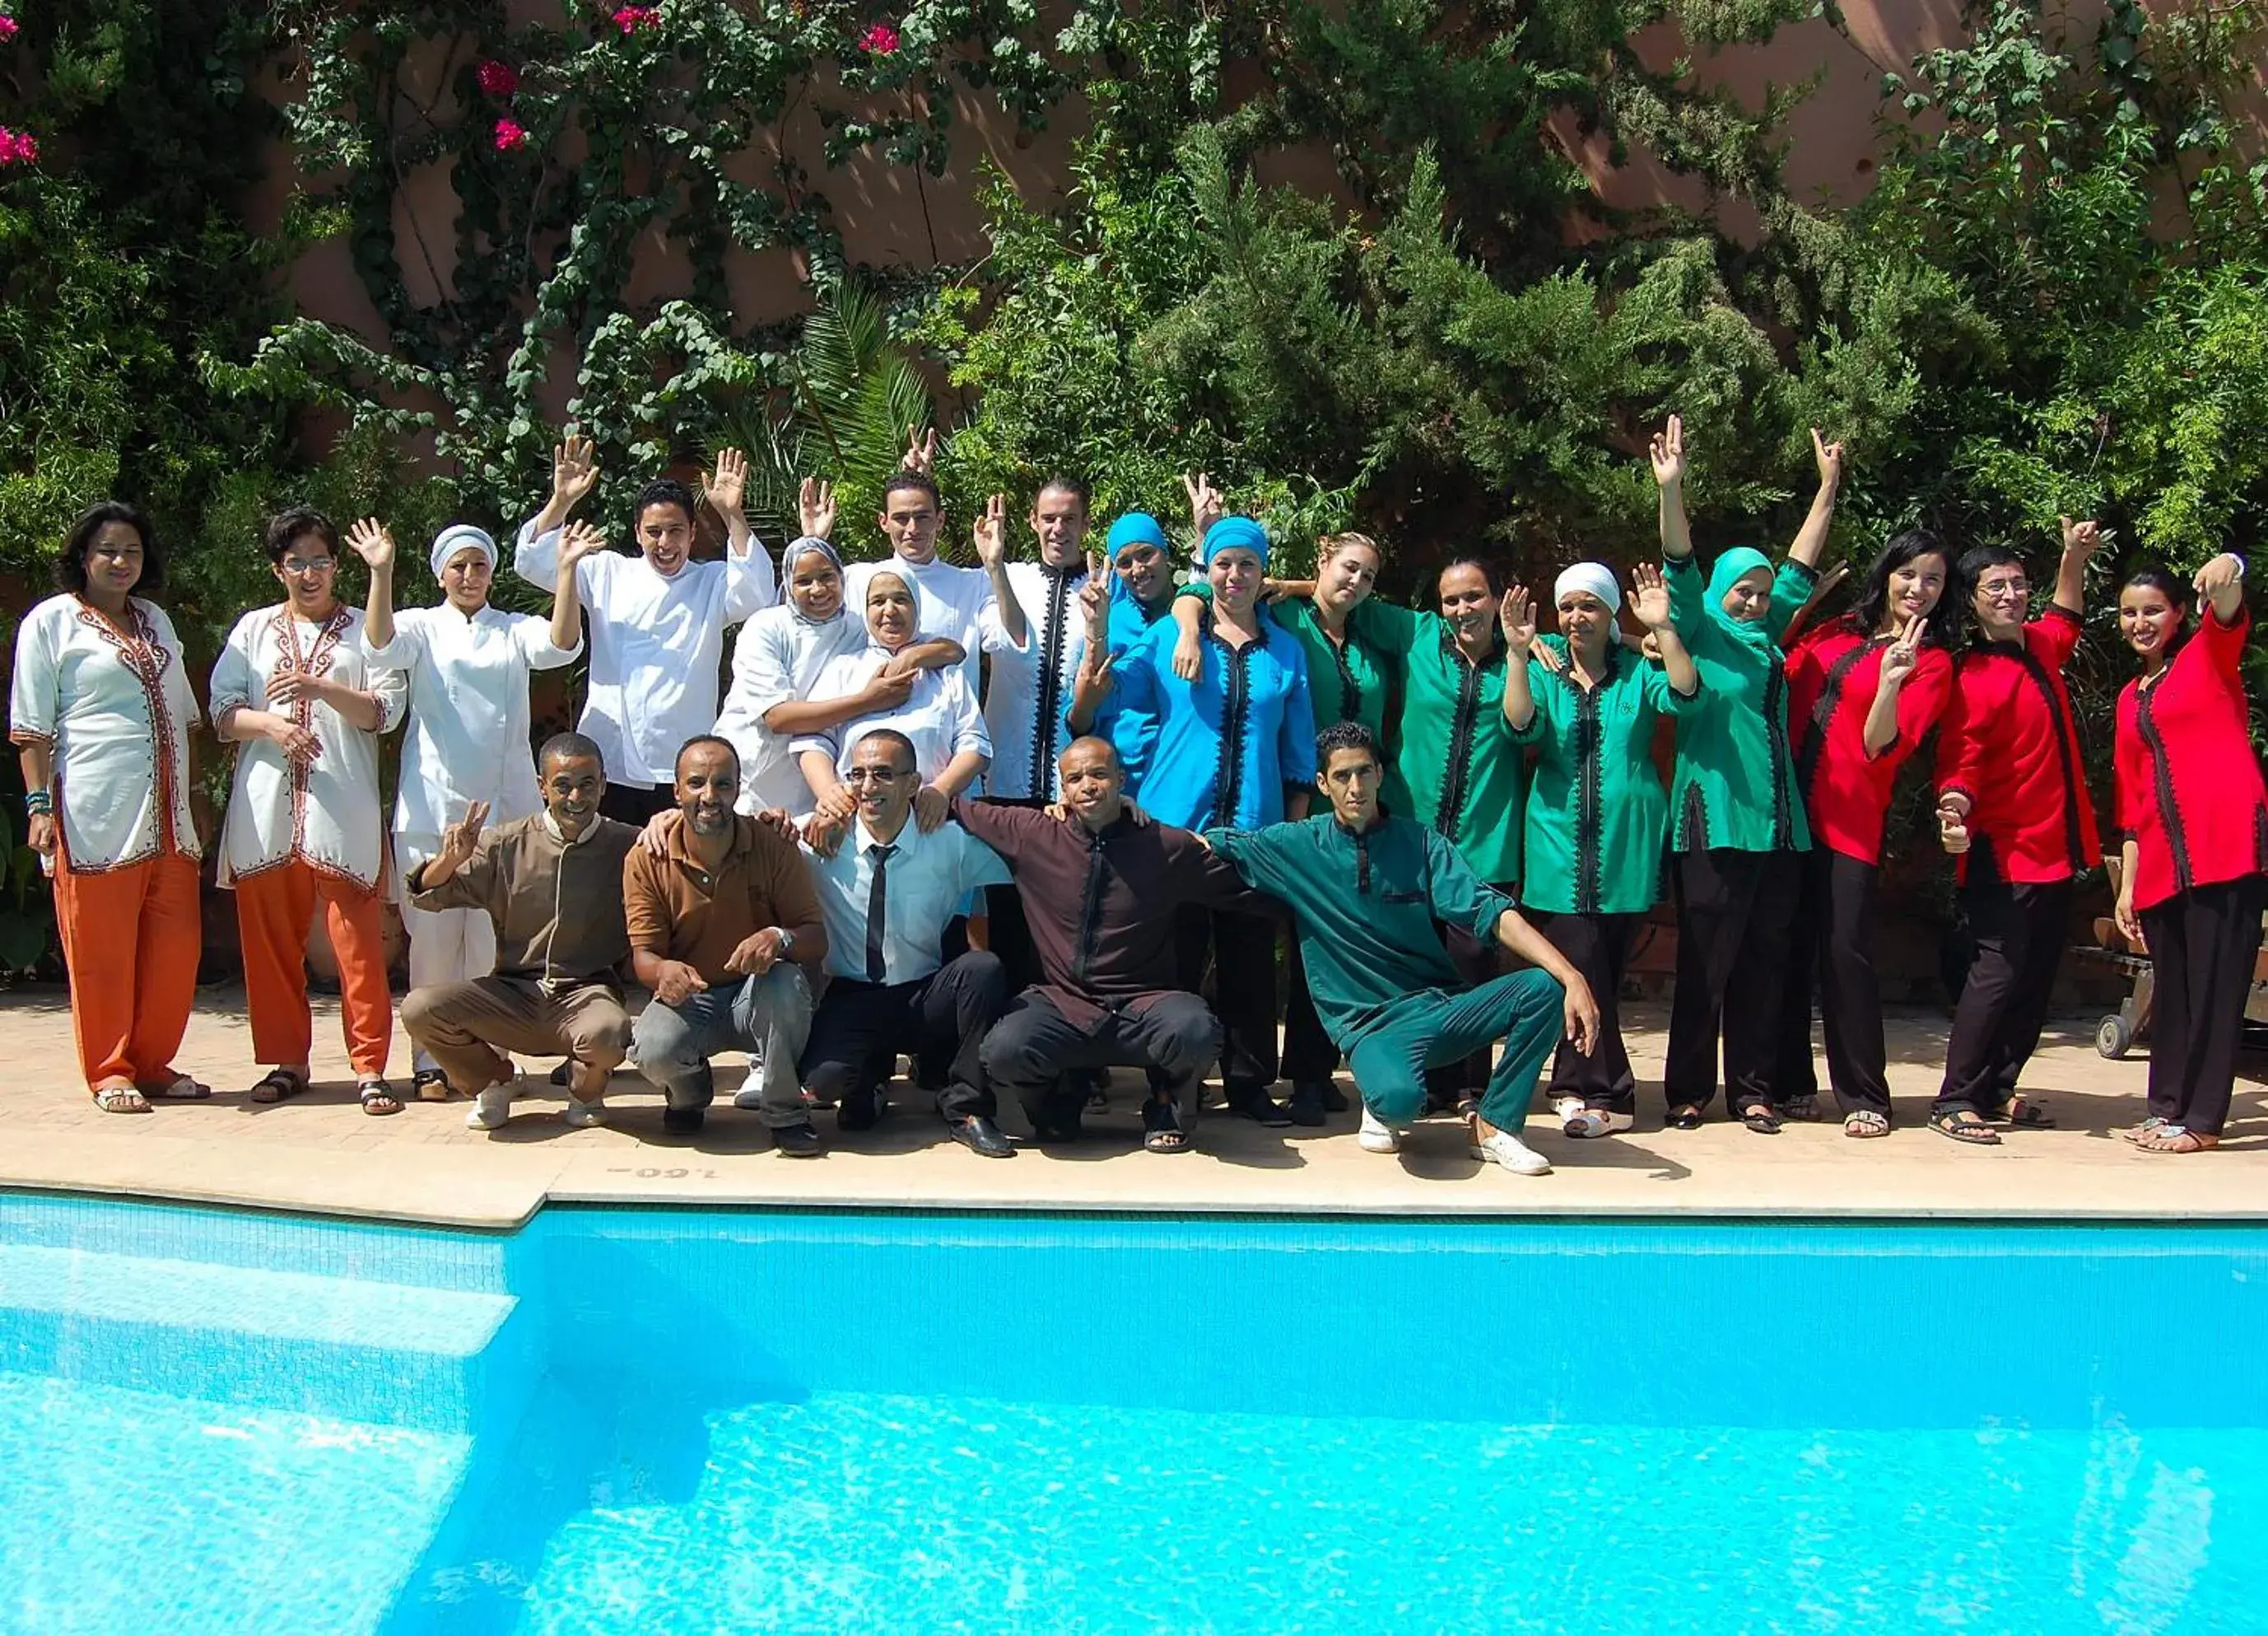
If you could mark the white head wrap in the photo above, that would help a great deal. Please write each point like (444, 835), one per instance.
(456, 538)
(1595, 577)
(913, 589)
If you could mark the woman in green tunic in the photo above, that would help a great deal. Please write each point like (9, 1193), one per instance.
(1737, 826)
(1348, 679)
(1596, 813)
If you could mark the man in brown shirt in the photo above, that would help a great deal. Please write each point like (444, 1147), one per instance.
(1100, 889)
(724, 926)
(552, 884)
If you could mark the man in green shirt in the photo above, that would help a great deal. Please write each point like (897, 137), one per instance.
(1366, 888)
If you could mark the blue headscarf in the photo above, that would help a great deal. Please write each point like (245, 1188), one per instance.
(1740, 560)
(1135, 528)
(1234, 533)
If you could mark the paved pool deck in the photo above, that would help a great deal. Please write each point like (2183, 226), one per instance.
(319, 1152)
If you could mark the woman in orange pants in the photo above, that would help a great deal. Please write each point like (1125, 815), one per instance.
(102, 715)
(305, 819)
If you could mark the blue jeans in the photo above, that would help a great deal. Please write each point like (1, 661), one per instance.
(769, 1015)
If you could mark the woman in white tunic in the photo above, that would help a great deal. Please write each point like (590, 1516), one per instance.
(293, 690)
(781, 654)
(940, 714)
(102, 716)
(468, 739)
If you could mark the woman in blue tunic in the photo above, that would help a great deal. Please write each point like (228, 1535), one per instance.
(1233, 748)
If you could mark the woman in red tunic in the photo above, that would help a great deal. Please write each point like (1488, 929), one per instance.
(1863, 691)
(2012, 808)
(2194, 814)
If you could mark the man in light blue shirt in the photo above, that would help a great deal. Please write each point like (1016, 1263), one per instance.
(887, 890)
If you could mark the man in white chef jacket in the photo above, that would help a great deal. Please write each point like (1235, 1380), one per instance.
(658, 619)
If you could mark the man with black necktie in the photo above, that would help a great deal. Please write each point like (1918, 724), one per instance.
(887, 888)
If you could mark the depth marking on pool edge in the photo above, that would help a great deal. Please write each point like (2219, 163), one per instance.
(651, 1173)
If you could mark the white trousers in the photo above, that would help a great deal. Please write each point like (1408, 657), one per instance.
(447, 945)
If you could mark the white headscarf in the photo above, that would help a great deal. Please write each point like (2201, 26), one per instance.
(1595, 577)
(456, 538)
(913, 590)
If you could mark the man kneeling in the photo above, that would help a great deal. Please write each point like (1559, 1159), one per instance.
(1100, 887)
(887, 893)
(552, 884)
(1366, 889)
(723, 924)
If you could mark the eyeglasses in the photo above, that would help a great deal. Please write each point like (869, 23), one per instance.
(873, 775)
(308, 566)
(1999, 589)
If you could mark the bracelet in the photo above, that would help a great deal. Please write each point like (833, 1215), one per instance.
(39, 803)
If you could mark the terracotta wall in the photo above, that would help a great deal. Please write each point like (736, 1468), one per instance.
(893, 216)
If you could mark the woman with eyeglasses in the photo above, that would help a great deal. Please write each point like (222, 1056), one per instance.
(102, 717)
(2013, 810)
(2194, 811)
(294, 690)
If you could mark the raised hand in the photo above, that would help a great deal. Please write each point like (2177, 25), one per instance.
(2223, 572)
(574, 469)
(1650, 597)
(459, 843)
(2082, 539)
(921, 451)
(1515, 617)
(1829, 456)
(1095, 603)
(991, 532)
(727, 488)
(369, 540)
(1667, 451)
(1205, 504)
(1899, 659)
(816, 500)
(577, 541)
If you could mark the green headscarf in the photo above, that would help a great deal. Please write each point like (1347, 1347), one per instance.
(1756, 634)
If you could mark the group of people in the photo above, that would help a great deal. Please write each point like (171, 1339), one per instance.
(1006, 820)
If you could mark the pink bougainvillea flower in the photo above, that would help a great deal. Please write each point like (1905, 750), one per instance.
(17, 147)
(882, 39)
(499, 80)
(7, 25)
(631, 18)
(510, 135)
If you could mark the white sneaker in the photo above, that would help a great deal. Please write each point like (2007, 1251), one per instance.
(493, 1106)
(1566, 1108)
(1513, 1153)
(1376, 1136)
(580, 1113)
(1590, 1122)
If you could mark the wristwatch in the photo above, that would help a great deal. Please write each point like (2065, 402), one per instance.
(787, 942)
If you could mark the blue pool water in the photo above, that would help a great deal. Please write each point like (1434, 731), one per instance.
(646, 1421)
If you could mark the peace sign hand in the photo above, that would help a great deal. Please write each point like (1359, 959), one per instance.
(369, 540)
(1205, 503)
(1829, 456)
(991, 532)
(1515, 617)
(1667, 452)
(816, 500)
(1095, 603)
(921, 451)
(459, 843)
(1899, 659)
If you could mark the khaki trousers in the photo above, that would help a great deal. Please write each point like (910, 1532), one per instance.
(471, 1027)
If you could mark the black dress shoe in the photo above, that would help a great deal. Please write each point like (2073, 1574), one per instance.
(980, 1136)
(1253, 1102)
(1308, 1106)
(859, 1113)
(683, 1121)
(796, 1141)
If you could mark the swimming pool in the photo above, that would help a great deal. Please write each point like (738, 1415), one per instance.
(659, 1421)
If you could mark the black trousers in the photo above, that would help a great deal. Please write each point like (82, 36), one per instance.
(635, 803)
(1010, 934)
(2203, 944)
(1599, 946)
(1309, 1055)
(1834, 956)
(2018, 929)
(858, 1030)
(1734, 913)
(1041, 1058)
(1244, 950)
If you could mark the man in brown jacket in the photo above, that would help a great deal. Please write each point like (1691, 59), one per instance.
(723, 927)
(552, 884)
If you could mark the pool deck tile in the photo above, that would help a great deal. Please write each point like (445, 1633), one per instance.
(320, 1153)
